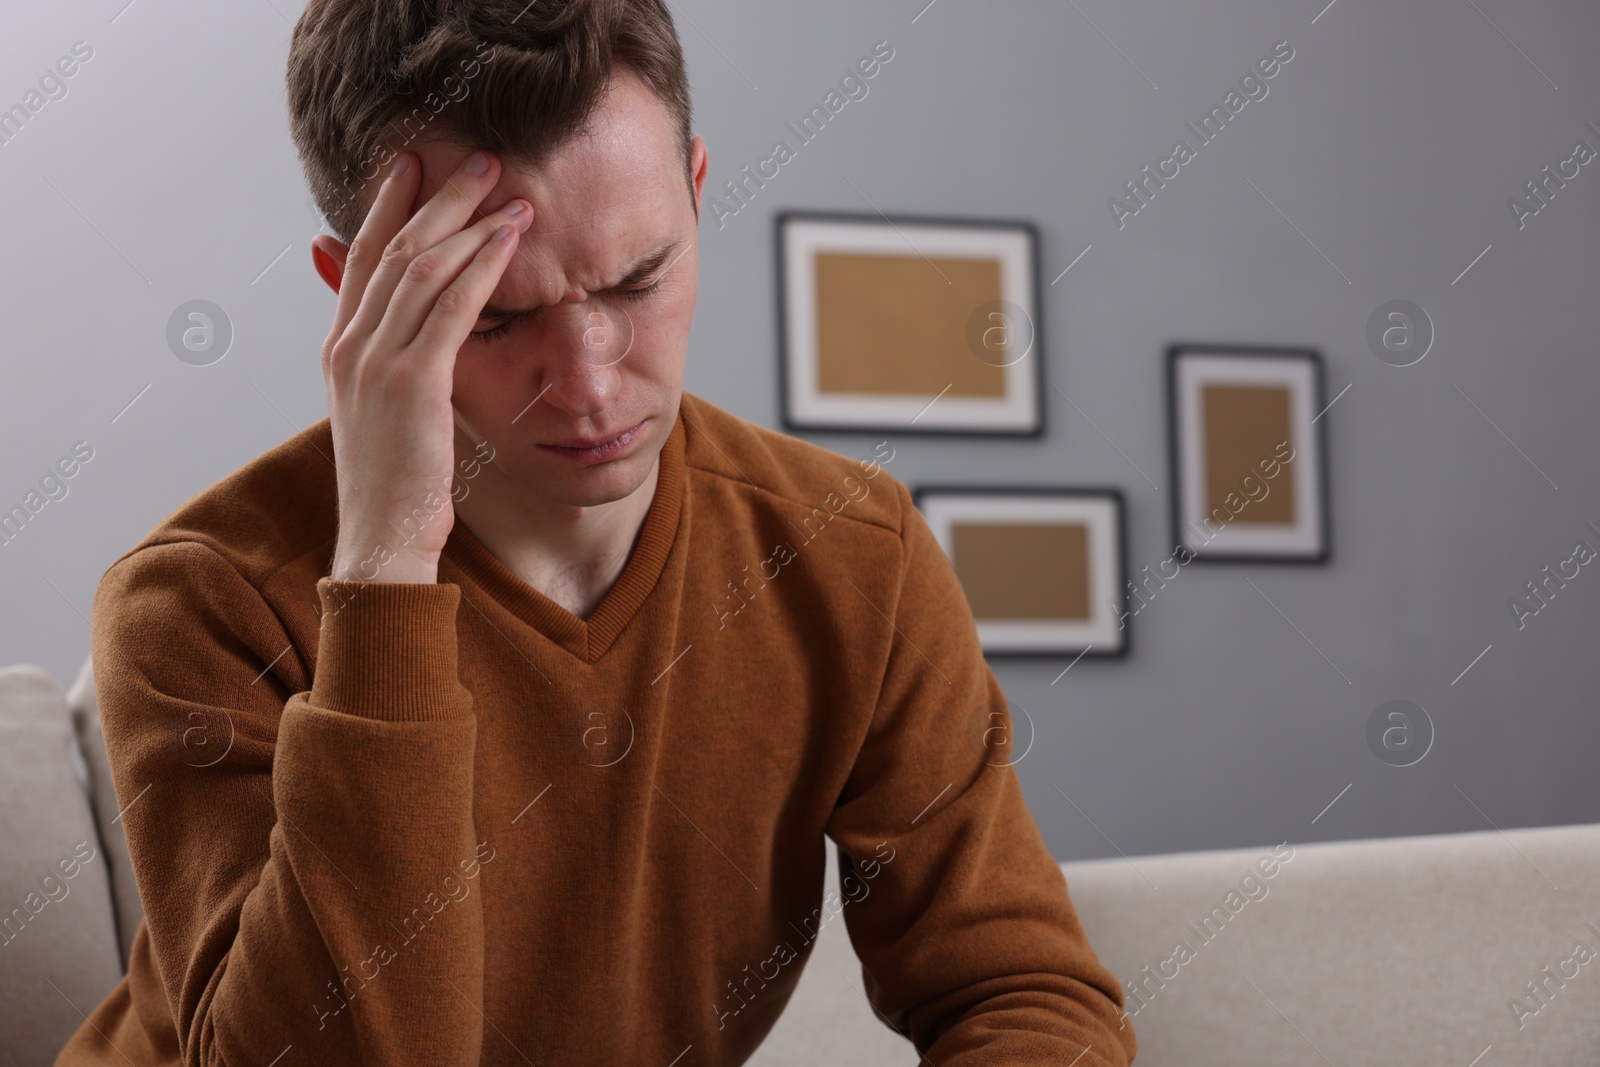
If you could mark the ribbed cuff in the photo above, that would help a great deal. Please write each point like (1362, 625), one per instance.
(387, 650)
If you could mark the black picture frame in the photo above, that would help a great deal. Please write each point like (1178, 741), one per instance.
(1119, 544)
(786, 358)
(1322, 553)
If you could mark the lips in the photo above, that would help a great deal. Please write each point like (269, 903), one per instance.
(599, 442)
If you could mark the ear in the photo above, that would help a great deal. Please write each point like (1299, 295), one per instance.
(699, 164)
(328, 256)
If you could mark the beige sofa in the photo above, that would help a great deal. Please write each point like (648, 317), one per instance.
(68, 903)
(1393, 951)
(1465, 950)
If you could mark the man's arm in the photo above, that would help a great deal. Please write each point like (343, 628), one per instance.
(323, 869)
(281, 880)
(968, 940)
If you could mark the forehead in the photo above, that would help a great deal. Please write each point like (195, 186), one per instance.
(602, 198)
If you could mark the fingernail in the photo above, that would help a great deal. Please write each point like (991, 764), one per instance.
(516, 207)
(476, 163)
(503, 233)
(401, 165)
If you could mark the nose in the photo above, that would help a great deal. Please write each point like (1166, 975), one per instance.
(583, 346)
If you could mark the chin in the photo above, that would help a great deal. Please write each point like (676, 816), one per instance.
(601, 484)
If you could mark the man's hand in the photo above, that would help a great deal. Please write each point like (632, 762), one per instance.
(412, 290)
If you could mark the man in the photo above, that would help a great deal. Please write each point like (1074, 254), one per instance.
(500, 717)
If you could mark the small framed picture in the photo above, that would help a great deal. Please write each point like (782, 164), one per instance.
(1043, 570)
(909, 325)
(1249, 458)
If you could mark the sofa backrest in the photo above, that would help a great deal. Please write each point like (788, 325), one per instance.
(58, 941)
(1400, 950)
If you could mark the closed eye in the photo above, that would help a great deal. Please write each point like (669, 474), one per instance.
(492, 333)
(501, 329)
(641, 294)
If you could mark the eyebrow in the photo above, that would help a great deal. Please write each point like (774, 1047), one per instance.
(641, 269)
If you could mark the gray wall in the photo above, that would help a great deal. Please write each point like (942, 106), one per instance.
(1392, 141)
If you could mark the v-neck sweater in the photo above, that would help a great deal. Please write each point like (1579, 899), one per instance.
(453, 823)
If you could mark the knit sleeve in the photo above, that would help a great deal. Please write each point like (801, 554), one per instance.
(307, 858)
(968, 941)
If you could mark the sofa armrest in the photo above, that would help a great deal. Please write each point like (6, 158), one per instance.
(128, 908)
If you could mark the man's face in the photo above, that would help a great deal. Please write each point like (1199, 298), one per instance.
(584, 338)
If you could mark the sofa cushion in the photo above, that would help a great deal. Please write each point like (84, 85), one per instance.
(103, 796)
(58, 944)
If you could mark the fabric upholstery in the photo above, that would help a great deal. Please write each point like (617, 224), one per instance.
(58, 946)
(1403, 950)
(103, 795)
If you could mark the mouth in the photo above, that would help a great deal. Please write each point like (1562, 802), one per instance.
(593, 451)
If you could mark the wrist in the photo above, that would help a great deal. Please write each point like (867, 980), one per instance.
(373, 560)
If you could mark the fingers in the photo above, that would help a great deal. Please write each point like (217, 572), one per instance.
(455, 311)
(389, 211)
(445, 213)
(432, 270)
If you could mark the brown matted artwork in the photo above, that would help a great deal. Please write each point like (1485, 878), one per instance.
(912, 325)
(1042, 568)
(1248, 456)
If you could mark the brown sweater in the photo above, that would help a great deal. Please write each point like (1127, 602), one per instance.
(455, 824)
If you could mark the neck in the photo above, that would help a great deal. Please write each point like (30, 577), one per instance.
(573, 555)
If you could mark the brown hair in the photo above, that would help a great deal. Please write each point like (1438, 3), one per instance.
(367, 77)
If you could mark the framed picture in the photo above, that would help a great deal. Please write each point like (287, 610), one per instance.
(1249, 458)
(909, 325)
(1044, 570)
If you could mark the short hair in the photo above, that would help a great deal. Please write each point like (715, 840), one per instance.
(519, 78)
